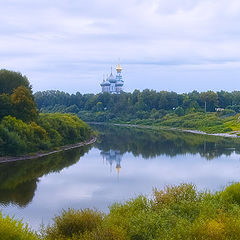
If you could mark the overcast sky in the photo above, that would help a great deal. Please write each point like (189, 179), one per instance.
(174, 45)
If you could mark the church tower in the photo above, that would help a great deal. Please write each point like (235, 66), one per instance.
(119, 79)
(113, 84)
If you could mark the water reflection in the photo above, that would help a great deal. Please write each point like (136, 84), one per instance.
(36, 190)
(18, 180)
(111, 157)
(150, 144)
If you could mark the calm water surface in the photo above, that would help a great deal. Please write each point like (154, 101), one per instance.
(123, 163)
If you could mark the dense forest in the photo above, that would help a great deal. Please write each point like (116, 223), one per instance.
(147, 104)
(23, 129)
(211, 112)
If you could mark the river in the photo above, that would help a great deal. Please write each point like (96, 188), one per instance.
(123, 163)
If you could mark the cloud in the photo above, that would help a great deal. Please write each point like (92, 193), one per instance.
(51, 39)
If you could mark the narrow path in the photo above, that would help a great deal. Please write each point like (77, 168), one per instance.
(39, 155)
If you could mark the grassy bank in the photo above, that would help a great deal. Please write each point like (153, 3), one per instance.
(206, 122)
(175, 212)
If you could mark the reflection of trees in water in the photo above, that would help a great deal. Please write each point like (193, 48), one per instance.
(149, 143)
(21, 195)
(18, 180)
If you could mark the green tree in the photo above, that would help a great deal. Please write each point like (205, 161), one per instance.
(5, 105)
(10, 80)
(210, 98)
(24, 107)
(225, 99)
(179, 111)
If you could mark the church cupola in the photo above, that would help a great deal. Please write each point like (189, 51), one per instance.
(113, 84)
(119, 68)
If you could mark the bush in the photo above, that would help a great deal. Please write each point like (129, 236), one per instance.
(226, 113)
(175, 194)
(231, 194)
(73, 223)
(12, 229)
(104, 233)
(50, 131)
(174, 213)
(179, 111)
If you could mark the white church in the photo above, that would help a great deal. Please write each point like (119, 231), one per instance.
(113, 84)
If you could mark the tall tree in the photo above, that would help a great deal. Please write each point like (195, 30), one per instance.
(210, 98)
(24, 107)
(5, 105)
(10, 80)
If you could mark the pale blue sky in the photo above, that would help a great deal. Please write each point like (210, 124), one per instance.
(174, 45)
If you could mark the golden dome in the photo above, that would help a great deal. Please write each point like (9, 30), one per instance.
(118, 68)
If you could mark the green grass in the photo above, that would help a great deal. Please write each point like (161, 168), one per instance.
(206, 122)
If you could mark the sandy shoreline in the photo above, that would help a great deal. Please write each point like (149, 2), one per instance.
(39, 155)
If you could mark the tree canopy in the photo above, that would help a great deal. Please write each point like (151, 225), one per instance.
(146, 104)
(9, 80)
(16, 98)
(24, 107)
(22, 130)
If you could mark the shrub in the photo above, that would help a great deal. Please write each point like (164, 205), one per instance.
(179, 111)
(74, 222)
(12, 229)
(174, 213)
(231, 194)
(175, 194)
(51, 130)
(104, 233)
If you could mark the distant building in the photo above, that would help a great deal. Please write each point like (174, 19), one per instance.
(113, 84)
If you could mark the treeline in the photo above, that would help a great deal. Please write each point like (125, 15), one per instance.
(175, 212)
(23, 129)
(147, 104)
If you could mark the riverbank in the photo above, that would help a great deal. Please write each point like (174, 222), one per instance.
(39, 154)
(227, 135)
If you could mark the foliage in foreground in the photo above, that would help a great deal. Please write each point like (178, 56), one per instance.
(49, 131)
(176, 212)
(11, 229)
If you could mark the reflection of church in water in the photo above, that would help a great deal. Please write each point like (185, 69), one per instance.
(113, 157)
